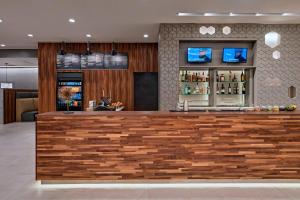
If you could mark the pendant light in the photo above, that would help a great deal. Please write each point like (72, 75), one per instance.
(88, 51)
(6, 85)
(113, 50)
(62, 47)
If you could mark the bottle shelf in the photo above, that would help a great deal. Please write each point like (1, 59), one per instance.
(193, 82)
(230, 94)
(194, 94)
(231, 82)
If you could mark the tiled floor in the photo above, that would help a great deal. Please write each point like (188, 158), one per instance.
(17, 178)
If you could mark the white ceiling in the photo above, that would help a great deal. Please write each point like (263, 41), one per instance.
(120, 20)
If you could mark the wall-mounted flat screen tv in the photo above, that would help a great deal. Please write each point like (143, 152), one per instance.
(199, 55)
(92, 61)
(119, 61)
(235, 55)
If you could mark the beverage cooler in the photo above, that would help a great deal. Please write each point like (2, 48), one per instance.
(216, 87)
(69, 92)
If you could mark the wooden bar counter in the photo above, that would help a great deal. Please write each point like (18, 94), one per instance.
(134, 146)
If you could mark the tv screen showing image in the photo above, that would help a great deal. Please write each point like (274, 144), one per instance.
(235, 55)
(92, 61)
(119, 61)
(199, 55)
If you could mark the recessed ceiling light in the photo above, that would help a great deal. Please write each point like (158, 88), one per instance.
(2, 45)
(72, 20)
(258, 14)
(1, 20)
(30, 35)
(88, 35)
(288, 14)
(146, 35)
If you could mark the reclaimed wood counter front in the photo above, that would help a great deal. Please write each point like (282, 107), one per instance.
(104, 146)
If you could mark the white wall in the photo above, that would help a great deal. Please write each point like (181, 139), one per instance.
(22, 77)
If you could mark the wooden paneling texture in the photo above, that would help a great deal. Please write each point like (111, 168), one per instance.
(9, 104)
(142, 58)
(156, 145)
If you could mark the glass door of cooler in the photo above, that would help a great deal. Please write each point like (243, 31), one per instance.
(194, 86)
(232, 88)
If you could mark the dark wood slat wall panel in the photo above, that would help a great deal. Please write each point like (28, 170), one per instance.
(161, 145)
(9, 104)
(47, 76)
(143, 57)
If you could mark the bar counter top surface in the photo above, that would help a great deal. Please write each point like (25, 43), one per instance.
(131, 146)
(169, 113)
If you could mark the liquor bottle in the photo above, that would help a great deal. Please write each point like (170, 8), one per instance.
(234, 88)
(229, 89)
(230, 76)
(186, 90)
(222, 78)
(243, 78)
(222, 89)
(189, 90)
(237, 89)
(244, 89)
(199, 77)
(234, 78)
(186, 78)
(197, 89)
(218, 80)
(207, 77)
(208, 90)
(182, 77)
(189, 77)
(193, 77)
(203, 77)
(218, 91)
(196, 77)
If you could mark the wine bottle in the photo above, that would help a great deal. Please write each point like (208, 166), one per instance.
(243, 77)
(229, 89)
(208, 90)
(218, 77)
(230, 76)
(218, 91)
(234, 78)
(222, 89)
(244, 89)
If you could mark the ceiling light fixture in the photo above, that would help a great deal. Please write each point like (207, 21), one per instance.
(3, 45)
(1, 20)
(221, 14)
(72, 20)
(88, 35)
(30, 35)
(146, 35)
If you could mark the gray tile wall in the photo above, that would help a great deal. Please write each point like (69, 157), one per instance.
(272, 77)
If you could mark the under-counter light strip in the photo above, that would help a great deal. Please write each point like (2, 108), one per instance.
(231, 14)
(166, 185)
